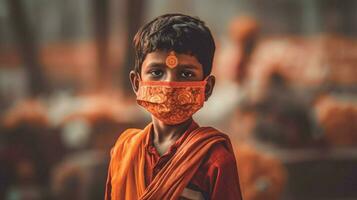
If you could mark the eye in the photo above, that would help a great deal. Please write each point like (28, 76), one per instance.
(156, 73)
(187, 74)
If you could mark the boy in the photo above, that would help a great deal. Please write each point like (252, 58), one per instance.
(172, 157)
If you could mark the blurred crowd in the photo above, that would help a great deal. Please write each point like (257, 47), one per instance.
(60, 149)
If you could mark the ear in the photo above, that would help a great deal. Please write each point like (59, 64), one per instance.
(211, 81)
(134, 80)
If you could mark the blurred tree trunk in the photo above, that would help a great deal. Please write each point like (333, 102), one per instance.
(134, 18)
(28, 48)
(101, 15)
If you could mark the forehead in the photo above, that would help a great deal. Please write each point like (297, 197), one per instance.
(159, 58)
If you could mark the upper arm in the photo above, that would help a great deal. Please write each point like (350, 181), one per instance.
(108, 185)
(223, 175)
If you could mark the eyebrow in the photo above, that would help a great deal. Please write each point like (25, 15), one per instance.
(156, 64)
(189, 66)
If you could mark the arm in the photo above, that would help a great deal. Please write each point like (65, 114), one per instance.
(108, 186)
(223, 174)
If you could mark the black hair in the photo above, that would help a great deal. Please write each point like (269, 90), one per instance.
(175, 32)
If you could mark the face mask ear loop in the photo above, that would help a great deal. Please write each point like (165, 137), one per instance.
(138, 76)
(204, 90)
(140, 80)
(205, 80)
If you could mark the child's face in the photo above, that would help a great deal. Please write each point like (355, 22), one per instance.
(154, 68)
(188, 68)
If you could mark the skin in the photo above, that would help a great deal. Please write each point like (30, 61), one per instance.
(155, 69)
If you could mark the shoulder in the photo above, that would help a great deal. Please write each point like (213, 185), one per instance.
(128, 134)
(220, 153)
(221, 156)
(219, 167)
(124, 139)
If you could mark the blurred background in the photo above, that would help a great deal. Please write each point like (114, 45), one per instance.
(286, 93)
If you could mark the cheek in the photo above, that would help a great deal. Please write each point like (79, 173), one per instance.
(145, 76)
(200, 75)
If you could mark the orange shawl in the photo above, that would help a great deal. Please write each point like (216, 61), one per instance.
(126, 178)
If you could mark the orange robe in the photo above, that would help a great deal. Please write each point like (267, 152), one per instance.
(126, 177)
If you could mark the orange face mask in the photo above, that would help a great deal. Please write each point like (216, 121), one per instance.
(171, 102)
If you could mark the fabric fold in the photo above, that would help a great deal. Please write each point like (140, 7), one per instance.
(126, 170)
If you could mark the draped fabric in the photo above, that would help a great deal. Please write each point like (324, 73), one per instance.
(126, 177)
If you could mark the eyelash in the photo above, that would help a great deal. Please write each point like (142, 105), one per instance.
(155, 71)
(155, 75)
(191, 74)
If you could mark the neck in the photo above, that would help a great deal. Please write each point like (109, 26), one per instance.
(164, 132)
